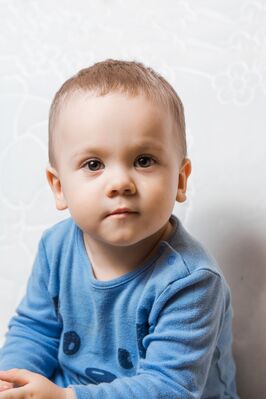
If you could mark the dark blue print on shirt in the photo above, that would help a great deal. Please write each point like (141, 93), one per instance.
(142, 331)
(96, 376)
(71, 343)
(171, 259)
(56, 302)
(124, 359)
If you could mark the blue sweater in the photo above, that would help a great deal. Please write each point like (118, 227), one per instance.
(160, 331)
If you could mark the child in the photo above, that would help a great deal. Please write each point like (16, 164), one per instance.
(122, 301)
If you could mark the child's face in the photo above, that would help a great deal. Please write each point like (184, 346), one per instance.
(114, 152)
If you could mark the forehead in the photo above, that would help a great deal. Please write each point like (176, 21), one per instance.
(111, 120)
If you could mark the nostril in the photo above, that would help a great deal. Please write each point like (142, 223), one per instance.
(116, 188)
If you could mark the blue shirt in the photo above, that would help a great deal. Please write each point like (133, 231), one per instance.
(160, 331)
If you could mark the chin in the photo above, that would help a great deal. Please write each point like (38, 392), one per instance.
(123, 241)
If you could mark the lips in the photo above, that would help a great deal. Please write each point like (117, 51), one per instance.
(121, 211)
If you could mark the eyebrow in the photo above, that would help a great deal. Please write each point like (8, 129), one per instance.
(102, 151)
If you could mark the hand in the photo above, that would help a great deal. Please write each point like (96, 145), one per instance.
(31, 385)
(5, 385)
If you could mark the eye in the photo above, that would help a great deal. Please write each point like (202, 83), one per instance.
(145, 161)
(92, 164)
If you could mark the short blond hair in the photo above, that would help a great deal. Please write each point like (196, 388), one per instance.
(129, 77)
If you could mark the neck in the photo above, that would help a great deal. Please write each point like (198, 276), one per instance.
(109, 262)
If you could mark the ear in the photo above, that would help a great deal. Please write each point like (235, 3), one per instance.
(184, 173)
(55, 184)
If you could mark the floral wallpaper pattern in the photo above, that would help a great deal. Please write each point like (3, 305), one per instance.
(214, 54)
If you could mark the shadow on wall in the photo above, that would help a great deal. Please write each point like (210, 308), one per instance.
(247, 279)
(240, 249)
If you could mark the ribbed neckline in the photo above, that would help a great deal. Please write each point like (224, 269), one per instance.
(101, 284)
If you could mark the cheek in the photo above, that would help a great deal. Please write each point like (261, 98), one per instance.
(159, 195)
(161, 187)
(77, 191)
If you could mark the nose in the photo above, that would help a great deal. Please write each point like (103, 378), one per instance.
(120, 183)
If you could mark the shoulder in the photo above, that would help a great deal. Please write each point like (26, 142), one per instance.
(187, 253)
(58, 237)
(193, 252)
(187, 278)
(185, 264)
(56, 251)
(58, 229)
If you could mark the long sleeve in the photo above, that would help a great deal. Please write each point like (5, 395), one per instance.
(185, 323)
(33, 333)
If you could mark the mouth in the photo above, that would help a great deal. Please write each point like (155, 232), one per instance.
(122, 212)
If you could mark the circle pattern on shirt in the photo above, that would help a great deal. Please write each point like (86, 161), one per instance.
(124, 359)
(96, 376)
(56, 302)
(171, 259)
(71, 343)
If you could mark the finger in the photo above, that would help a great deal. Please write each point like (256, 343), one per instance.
(4, 383)
(14, 394)
(5, 387)
(17, 376)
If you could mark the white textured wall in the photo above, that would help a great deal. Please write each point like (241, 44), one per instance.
(214, 54)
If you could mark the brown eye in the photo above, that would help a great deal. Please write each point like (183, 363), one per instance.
(145, 161)
(93, 165)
